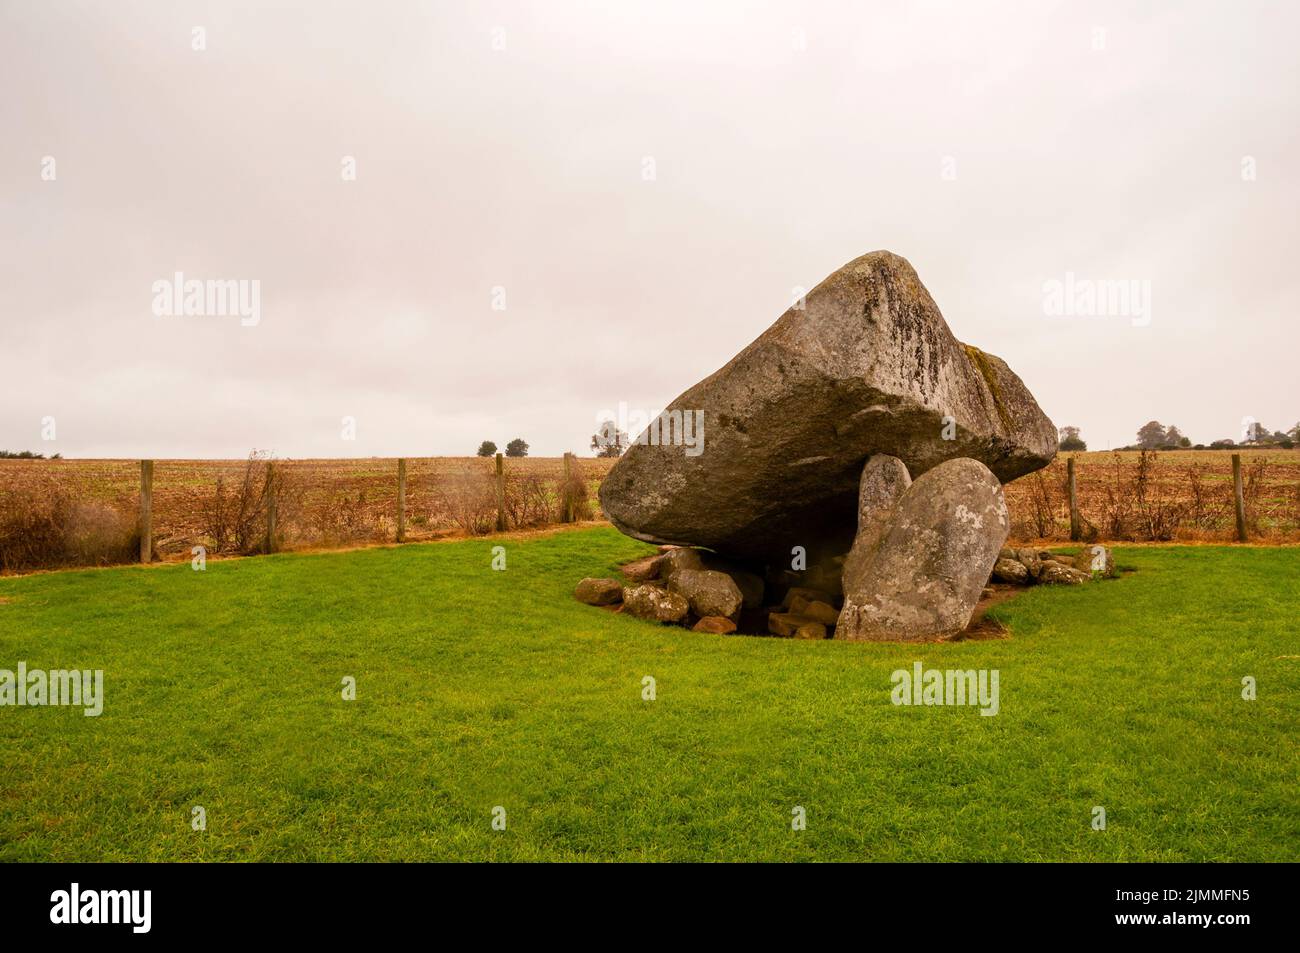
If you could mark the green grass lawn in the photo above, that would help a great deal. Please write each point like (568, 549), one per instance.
(478, 688)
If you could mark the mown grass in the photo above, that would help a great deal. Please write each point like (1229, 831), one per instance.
(478, 688)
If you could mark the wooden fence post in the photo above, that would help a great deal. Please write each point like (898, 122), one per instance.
(568, 493)
(401, 499)
(1076, 525)
(146, 510)
(501, 495)
(270, 506)
(1241, 498)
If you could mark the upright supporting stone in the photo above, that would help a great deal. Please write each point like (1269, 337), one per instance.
(1241, 497)
(501, 494)
(146, 510)
(270, 506)
(401, 499)
(884, 480)
(1076, 525)
(925, 577)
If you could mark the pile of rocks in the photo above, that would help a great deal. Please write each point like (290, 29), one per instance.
(699, 589)
(1026, 567)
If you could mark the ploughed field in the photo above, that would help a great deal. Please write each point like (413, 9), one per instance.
(487, 694)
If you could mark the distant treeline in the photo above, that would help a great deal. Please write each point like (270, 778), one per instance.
(1153, 435)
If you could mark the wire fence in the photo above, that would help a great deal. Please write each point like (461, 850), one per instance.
(57, 513)
(1190, 496)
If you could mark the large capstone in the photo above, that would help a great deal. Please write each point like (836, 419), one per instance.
(867, 366)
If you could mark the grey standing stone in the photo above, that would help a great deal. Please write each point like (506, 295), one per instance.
(884, 480)
(928, 572)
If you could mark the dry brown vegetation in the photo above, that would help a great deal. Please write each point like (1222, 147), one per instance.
(72, 512)
(1165, 496)
(83, 512)
(44, 525)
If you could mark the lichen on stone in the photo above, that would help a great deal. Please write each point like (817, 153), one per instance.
(981, 362)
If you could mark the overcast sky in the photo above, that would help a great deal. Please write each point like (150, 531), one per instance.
(998, 147)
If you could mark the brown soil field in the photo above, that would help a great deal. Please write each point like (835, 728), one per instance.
(1183, 496)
